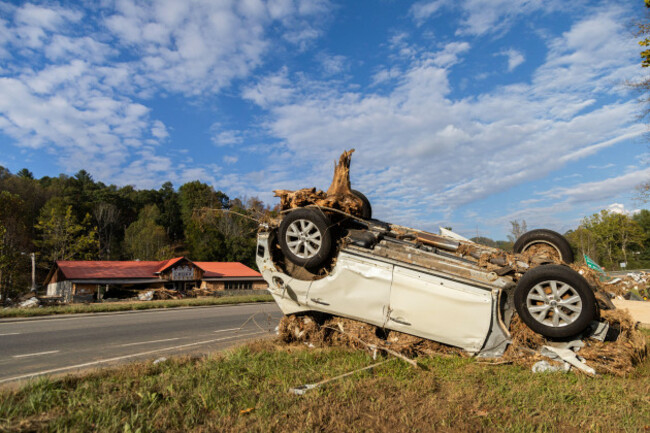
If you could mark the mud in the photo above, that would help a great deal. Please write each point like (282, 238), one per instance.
(613, 357)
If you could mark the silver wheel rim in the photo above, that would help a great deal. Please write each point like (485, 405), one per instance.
(554, 303)
(303, 238)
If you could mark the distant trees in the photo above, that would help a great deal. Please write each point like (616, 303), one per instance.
(610, 238)
(76, 217)
(484, 241)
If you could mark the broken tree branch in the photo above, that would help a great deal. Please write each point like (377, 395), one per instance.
(375, 347)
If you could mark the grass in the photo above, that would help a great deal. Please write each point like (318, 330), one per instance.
(136, 305)
(247, 389)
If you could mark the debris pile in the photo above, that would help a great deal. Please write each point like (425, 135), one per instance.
(609, 357)
(32, 302)
(633, 285)
(164, 294)
(197, 292)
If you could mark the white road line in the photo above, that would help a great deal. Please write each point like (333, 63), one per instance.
(9, 333)
(226, 330)
(36, 354)
(148, 342)
(118, 358)
(81, 316)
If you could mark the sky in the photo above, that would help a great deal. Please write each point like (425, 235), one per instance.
(462, 113)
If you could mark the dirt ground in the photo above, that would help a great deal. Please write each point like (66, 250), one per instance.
(640, 311)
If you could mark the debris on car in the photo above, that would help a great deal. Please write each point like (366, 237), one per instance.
(326, 259)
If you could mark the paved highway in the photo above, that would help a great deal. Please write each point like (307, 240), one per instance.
(64, 344)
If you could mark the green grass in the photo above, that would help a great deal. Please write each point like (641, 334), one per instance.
(209, 394)
(125, 306)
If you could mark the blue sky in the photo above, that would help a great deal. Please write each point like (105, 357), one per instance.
(463, 113)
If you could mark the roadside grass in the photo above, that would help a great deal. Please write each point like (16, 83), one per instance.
(247, 389)
(135, 305)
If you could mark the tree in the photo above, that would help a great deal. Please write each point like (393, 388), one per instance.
(107, 216)
(62, 236)
(170, 212)
(25, 173)
(14, 242)
(196, 195)
(203, 238)
(609, 236)
(146, 240)
(517, 229)
(583, 242)
(204, 235)
(642, 218)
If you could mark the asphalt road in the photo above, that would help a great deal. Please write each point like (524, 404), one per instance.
(64, 344)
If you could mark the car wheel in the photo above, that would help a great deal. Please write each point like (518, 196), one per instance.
(549, 238)
(305, 238)
(555, 301)
(366, 209)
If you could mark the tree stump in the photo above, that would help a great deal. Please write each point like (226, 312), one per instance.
(338, 196)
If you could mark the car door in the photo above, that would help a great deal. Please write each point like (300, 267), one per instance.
(358, 288)
(439, 309)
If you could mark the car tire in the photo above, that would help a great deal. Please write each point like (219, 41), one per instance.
(544, 236)
(555, 301)
(305, 238)
(366, 209)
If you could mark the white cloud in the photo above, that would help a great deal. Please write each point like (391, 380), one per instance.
(601, 167)
(78, 80)
(272, 90)
(421, 148)
(201, 45)
(450, 54)
(333, 65)
(515, 58)
(159, 130)
(230, 159)
(423, 10)
(601, 189)
(481, 17)
(619, 208)
(225, 137)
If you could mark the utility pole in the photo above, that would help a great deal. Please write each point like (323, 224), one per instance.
(33, 256)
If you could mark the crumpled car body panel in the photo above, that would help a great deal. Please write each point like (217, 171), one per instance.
(438, 305)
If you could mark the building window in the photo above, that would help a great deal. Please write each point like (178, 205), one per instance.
(238, 285)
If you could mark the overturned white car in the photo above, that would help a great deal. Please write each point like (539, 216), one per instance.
(440, 287)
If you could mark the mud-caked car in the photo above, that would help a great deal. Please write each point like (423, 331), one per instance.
(441, 287)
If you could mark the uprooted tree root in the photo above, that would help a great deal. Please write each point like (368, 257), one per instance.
(338, 196)
(617, 358)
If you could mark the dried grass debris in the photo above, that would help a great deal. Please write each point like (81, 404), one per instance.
(612, 357)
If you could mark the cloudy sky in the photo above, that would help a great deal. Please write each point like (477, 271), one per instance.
(468, 113)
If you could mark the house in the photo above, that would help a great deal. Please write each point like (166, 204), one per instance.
(83, 281)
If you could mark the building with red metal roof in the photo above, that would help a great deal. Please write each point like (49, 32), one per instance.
(92, 280)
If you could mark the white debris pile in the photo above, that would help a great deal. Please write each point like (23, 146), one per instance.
(32, 302)
(633, 285)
